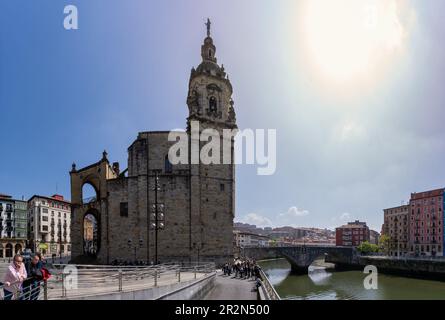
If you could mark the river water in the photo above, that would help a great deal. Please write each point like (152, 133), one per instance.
(321, 284)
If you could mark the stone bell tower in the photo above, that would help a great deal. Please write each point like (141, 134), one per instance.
(210, 91)
(212, 186)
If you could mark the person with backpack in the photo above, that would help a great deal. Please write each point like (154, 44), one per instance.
(31, 286)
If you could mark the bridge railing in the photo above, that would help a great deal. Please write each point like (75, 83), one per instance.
(272, 294)
(77, 281)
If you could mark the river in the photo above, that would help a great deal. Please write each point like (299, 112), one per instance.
(321, 284)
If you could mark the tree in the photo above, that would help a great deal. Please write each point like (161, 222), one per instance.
(366, 247)
(384, 243)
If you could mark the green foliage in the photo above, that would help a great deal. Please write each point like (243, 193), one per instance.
(366, 247)
(384, 243)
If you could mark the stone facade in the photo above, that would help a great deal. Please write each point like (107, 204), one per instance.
(198, 199)
(396, 228)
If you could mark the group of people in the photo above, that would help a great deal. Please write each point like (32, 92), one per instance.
(242, 268)
(131, 263)
(22, 280)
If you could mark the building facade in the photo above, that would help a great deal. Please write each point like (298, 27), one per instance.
(426, 219)
(156, 211)
(374, 237)
(49, 225)
(248, 239)
(352, 234)
(13, 224)
(396, 227)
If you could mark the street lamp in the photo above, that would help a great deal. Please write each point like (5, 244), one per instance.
(157, 216)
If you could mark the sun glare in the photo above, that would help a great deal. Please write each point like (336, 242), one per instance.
(353, 41)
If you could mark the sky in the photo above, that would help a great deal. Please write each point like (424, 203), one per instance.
(353, 88)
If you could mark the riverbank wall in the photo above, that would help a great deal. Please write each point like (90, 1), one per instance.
(410, 267)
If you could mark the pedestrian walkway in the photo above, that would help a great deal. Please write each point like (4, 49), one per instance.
(230, 288)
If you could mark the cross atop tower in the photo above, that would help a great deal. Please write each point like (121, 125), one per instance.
(208, 25)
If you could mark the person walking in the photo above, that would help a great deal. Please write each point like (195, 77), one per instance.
(31, 286)
(14, 277)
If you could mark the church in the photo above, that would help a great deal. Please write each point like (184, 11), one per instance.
(156, 211)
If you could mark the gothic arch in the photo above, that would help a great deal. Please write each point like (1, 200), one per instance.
(91, 232)
(87, 198)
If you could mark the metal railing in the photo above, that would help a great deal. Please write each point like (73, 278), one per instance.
(272, 294)
(406, 258)
(31, 291)
(77, 281)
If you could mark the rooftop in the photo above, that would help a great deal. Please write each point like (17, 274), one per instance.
(55, 197)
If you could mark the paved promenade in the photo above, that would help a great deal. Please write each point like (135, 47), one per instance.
(230, 288)
(95, 281)
(90, 286)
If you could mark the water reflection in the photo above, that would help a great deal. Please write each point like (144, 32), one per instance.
(319, 276)
(321, 284)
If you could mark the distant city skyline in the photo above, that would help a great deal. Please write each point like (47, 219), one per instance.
(358, 129)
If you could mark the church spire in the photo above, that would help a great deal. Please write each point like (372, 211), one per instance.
(208, 49)
(208, 25)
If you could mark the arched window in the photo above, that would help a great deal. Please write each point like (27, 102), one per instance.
(210, 53)
(89, 194)
(9, 250)
(212, 104)
(90, 235)
(168, 167)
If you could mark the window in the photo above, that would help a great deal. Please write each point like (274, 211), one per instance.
(45, 218)
(212, 104)
(221, 187)
(44, 210)
(44, 228)
(124, 209)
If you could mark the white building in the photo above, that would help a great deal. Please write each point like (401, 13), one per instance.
(50, 225)
(248, 239)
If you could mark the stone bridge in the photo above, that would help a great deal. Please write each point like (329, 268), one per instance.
(302, 256)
